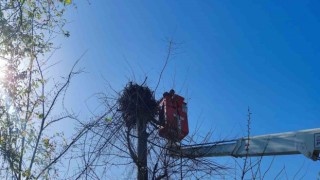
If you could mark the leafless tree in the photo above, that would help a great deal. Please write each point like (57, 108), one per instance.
(115, 140)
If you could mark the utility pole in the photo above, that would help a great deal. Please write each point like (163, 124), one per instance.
(142, 149)
(138, 107)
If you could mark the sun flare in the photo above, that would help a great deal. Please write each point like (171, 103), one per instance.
(2, 70)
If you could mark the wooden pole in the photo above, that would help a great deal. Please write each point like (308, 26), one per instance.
(142, 149)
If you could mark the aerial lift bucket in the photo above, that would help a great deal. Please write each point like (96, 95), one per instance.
(173, 117)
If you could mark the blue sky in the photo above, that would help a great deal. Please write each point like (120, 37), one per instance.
(230, 55)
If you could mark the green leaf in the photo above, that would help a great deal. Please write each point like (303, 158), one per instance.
(67, 2)
(45, 142)
(108, 119)
(40, 116)
(42, 97)
(26, 173)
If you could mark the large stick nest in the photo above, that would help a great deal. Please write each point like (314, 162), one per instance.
(137, 103)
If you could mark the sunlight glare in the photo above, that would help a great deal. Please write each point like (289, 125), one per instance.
(2, 71)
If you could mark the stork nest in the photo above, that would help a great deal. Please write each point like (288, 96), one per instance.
(137, 103)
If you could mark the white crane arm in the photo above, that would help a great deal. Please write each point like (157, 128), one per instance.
(306, 142)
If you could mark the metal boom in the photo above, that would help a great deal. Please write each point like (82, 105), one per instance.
(306, 142)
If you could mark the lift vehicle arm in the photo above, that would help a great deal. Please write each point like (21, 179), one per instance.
(306, 142)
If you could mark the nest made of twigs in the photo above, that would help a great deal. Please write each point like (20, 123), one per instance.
(137, 103)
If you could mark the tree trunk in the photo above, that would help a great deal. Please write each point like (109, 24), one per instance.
(142, 150)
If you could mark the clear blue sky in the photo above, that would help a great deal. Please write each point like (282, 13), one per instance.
(231, 55)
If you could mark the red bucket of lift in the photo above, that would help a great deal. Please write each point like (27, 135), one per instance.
(173, 117)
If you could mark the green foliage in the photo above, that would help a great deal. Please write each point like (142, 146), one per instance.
(40, 116)
(67, 2)
(26, 173)
(108, 119)
(26, 31)
(26, 25)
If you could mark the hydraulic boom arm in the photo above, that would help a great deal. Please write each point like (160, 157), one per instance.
(306, 142)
